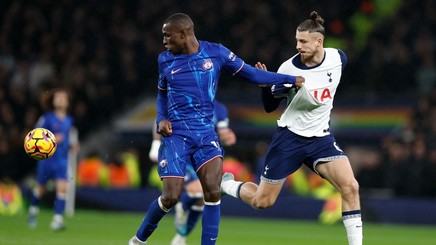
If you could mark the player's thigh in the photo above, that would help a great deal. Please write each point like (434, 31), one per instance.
(61, 186)
(210, 175)
(172, 187)
(338, 172)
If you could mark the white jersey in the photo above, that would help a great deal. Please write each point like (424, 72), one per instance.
(308, 114)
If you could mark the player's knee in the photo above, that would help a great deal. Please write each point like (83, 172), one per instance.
(169, 200)
(351, 189)
(212, 196)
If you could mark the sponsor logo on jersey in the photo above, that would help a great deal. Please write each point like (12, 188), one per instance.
(175, 71)
(232, 56)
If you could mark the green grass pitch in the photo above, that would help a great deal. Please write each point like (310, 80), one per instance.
(105, 228)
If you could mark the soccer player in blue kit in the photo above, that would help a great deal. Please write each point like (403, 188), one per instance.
(189, 72)
(303, 134)
(59, 122)
(190, 206)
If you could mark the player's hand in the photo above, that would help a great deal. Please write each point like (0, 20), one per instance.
(59, 137)
(299, 81)
(165, 128)
(227, 136)
(261, 66)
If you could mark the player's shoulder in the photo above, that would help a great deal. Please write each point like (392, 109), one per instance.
(164, 56)
(337, 54)
(288, 64)
(48, 114)
(208, 44)
(212, 48)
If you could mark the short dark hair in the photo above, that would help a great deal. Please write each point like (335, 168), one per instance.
(315, 23)
(181, 19)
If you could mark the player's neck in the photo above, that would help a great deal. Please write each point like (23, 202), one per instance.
(193, 46)
(316, 59)
(60, 113)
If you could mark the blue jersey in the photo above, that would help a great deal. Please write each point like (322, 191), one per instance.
(57, 126)
(188, 82)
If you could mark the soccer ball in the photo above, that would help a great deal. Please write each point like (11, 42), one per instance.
(40, 143)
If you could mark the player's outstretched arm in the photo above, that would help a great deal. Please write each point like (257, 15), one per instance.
(259, 76)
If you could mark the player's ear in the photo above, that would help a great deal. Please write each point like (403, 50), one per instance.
(183, 34)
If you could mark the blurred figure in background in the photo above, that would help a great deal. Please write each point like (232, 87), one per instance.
(58, 121)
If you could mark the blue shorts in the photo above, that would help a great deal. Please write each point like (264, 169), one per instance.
(52, 168)
(288, 151)
(184, 147)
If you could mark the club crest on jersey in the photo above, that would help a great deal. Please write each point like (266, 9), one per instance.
(329, 74)
(207, 65)
(163, 163)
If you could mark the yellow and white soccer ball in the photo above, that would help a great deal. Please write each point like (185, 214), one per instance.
(40, 143)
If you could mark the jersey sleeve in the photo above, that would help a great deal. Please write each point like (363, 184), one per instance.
(162, 82)
(161, 100)
(344, 58)
(270, 103)
(236, 66)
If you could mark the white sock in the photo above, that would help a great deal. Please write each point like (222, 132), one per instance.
(231, 187)
(353, 226)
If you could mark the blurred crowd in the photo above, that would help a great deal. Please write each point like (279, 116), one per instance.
(105, 53)
(404, 164)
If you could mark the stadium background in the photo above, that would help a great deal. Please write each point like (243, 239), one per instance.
(105, 52)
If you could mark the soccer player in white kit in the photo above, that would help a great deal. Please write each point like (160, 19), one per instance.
(303, 135)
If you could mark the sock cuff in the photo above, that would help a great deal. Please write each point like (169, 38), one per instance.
(166, 210)
(197, 208)
(212, 203)
(351, 214)
(239, 189)
(62, 196)
(195, 194)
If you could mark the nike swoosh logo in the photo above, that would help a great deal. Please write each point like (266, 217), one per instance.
(174, 71)
(213, 239)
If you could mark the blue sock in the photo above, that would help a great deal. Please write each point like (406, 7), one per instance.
(34, 199)
(194, 215)
(151, 220)
(211, 222)
(60, 204)
(187, 201)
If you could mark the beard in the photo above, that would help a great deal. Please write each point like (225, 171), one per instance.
(306, 57)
